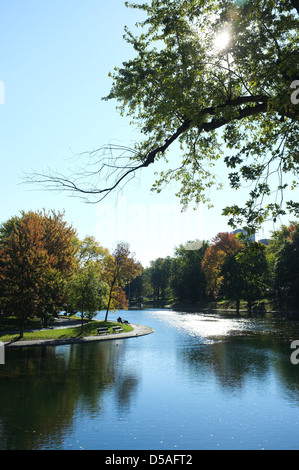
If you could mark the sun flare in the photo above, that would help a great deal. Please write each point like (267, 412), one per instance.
(222, 40)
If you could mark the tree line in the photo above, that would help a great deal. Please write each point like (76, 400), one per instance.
(231, 267)
(45, 269)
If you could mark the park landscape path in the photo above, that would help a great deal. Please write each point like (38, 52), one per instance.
(138, 330)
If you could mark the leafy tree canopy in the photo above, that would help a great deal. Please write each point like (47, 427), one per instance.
(221, 79)
(285, 246)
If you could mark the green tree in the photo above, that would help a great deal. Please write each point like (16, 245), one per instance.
(147, 288)
(159, 278)
(232, 280)
(253, 268)
(187, 277)
(220, 78)
(87, 292)
(286, 269)
(280, 237)
(244, 274)
(91, 251)
(134, 290)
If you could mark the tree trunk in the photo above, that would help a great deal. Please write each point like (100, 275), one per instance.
(238, 306)
(110, 297)
(22, 322)
(82, 317)
(108, 306)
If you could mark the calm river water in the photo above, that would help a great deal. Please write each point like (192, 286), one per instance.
(200, 381)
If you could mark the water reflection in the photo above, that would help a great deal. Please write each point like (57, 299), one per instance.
(238, 351)
(197, 378)
(42, 389)
(216, 327)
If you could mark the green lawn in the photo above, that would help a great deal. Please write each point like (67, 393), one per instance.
(90, 329)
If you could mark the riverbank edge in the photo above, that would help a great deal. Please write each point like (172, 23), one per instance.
(138, 331)
(229, 307)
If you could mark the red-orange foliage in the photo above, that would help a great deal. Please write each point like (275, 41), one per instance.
(121, 268)
(224, 244)
(37, 251)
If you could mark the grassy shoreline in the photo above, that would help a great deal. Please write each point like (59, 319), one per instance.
(73, 332)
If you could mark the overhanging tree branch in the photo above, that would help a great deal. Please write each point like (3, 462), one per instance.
(180, 88)
(74, 184)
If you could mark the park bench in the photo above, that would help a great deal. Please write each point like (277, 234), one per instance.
(104, 329)
(117, 329)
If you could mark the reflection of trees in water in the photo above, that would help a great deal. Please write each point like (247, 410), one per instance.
(125, 387)
(237, 359)
(126, 381)
(41, 388)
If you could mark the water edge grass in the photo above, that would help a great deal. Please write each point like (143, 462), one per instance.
(89, 329)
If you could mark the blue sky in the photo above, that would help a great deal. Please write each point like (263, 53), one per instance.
(54, 63)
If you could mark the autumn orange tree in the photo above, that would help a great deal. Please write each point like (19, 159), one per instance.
(236, 268)
(223, 245)
(121, 269)
(37, 253)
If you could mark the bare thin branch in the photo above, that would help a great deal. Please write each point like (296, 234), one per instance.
(122, 163)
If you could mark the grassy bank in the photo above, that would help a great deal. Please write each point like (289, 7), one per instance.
(90, 329)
